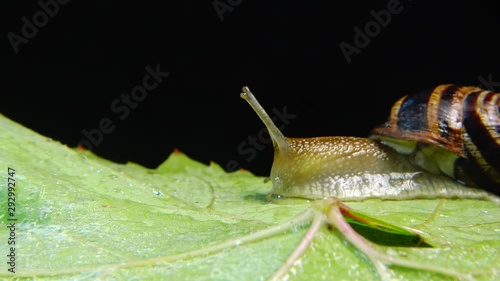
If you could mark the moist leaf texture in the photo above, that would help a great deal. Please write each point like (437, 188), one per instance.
(83, 217)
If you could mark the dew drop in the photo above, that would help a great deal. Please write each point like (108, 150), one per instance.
(157, 192)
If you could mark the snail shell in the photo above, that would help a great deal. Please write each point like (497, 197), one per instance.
(452, 130)
(353, 168)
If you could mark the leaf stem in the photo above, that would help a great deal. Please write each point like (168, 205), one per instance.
(379, 260)
(301, 248)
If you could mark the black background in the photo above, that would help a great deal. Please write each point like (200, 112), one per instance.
(65, 78)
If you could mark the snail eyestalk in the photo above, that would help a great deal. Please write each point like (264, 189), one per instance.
(279, 140)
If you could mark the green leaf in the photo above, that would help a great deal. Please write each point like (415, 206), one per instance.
(80, 216)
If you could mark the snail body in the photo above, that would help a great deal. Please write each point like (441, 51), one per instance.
(354, 168)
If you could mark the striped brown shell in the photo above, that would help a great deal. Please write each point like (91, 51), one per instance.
(461, 120)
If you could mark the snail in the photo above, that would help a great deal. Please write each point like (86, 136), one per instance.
(443, 143)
